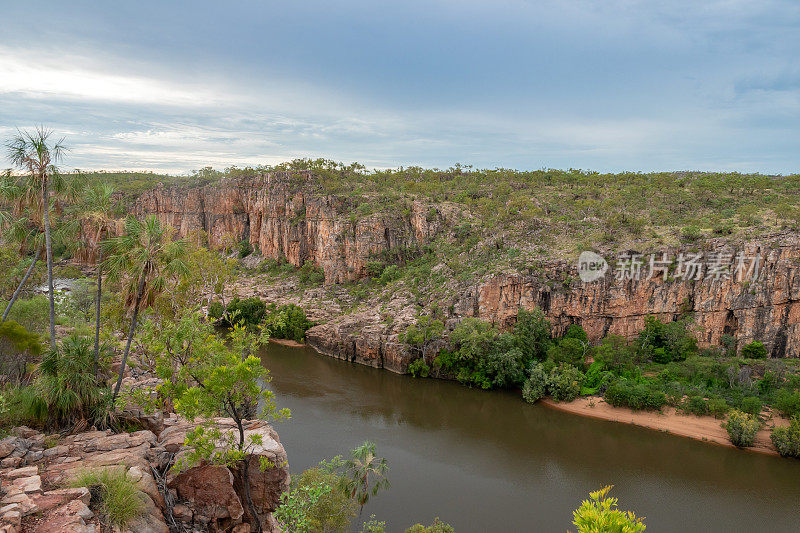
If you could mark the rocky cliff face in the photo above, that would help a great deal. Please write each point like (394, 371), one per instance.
(287, 215)
(284, 215)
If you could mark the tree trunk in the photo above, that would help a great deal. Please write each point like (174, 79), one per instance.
(139, 294)
(245, 466)
(21, 284)
(49, 249)
(97, 310)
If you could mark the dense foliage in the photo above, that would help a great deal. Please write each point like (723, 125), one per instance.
(600, 514)
(742, 428)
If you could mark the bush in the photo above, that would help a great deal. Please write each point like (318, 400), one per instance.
(32, 313)
(697, 405)
(575, 331)
(742, 428)
(67, 388)
(17, 344)
(665, 342)
(787, 402)
(423, 332)
(569, 350)
(565, 383)
(248, 312)
(390, 273)
(437, 527)
(535, 387)
(636, 396)
(287, 322)
(532, 334)
(615, 353)
(503, 365)
(119, 498)
(751, 405)
(600, 514)
(310, 274)
(718, 407)
(419, 368)
(317, 501)
(754, 350)
(215, 310)
(245, 249)
(787, 439)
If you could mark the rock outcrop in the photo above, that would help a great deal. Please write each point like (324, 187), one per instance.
(202, 498)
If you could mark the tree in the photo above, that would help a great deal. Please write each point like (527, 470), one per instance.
(599, 514)
(425, 331)
(532, 334)
(95, 213)
(208, 376)
(145, 259)
(32, 152)
(361, 468)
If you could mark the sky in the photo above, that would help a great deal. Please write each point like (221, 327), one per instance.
(615, 85)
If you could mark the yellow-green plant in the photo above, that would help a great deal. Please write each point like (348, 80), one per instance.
(599, 514)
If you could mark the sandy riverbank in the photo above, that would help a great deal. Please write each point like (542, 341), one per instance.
(287, 342)
(705, 428)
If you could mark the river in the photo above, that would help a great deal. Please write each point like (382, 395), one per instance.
(487, 461)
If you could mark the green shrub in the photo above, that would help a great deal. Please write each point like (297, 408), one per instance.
(569, 350)
(249, 312)
(754, 350)
(119, 498)
(697, 405)
(17, 346)
(32, 313)
(691, 233)
(419, 368)
(424, 331)
(317, 501)
(615, 353)
(742, 428)
(215, 310)
(67, 388)
(787, 439)
(787, 402)
(287, 322)
(751, 405)
(535, 387)
(390, 273)
(718, 407)
(599, 514)
(310, 274)
(575, 331)
(245, 249)
(564, 382)
(437, 527)
(636, 396)
(665, 342)
(532, 334)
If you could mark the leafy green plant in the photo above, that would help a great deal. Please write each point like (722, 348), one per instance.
(599, 514)
(118, 496)
(286, 322)
(365, 473)
(535, 387)
(787, 439)
(751, 405)
(754, 350)
(637, 396)
(532, 334)
(437, 527)
(742, 428)
(564, 382)
(419, 369)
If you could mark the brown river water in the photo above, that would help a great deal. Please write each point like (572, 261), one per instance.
(488, 461)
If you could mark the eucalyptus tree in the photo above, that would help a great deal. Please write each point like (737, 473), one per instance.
(34, 153)
(144, 259)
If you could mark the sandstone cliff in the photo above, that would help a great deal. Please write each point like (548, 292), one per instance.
(287, 215)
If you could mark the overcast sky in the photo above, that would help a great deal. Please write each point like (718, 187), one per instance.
(601, 85)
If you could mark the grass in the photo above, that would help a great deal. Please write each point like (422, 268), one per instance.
(117, 496)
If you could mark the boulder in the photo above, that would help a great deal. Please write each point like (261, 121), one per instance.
(210, 490)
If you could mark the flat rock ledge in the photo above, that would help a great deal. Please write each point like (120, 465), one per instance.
(35, 468)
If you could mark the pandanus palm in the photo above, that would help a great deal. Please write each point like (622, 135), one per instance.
(145, 259)
(33, 153)
(361, 468)
(95, 216)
